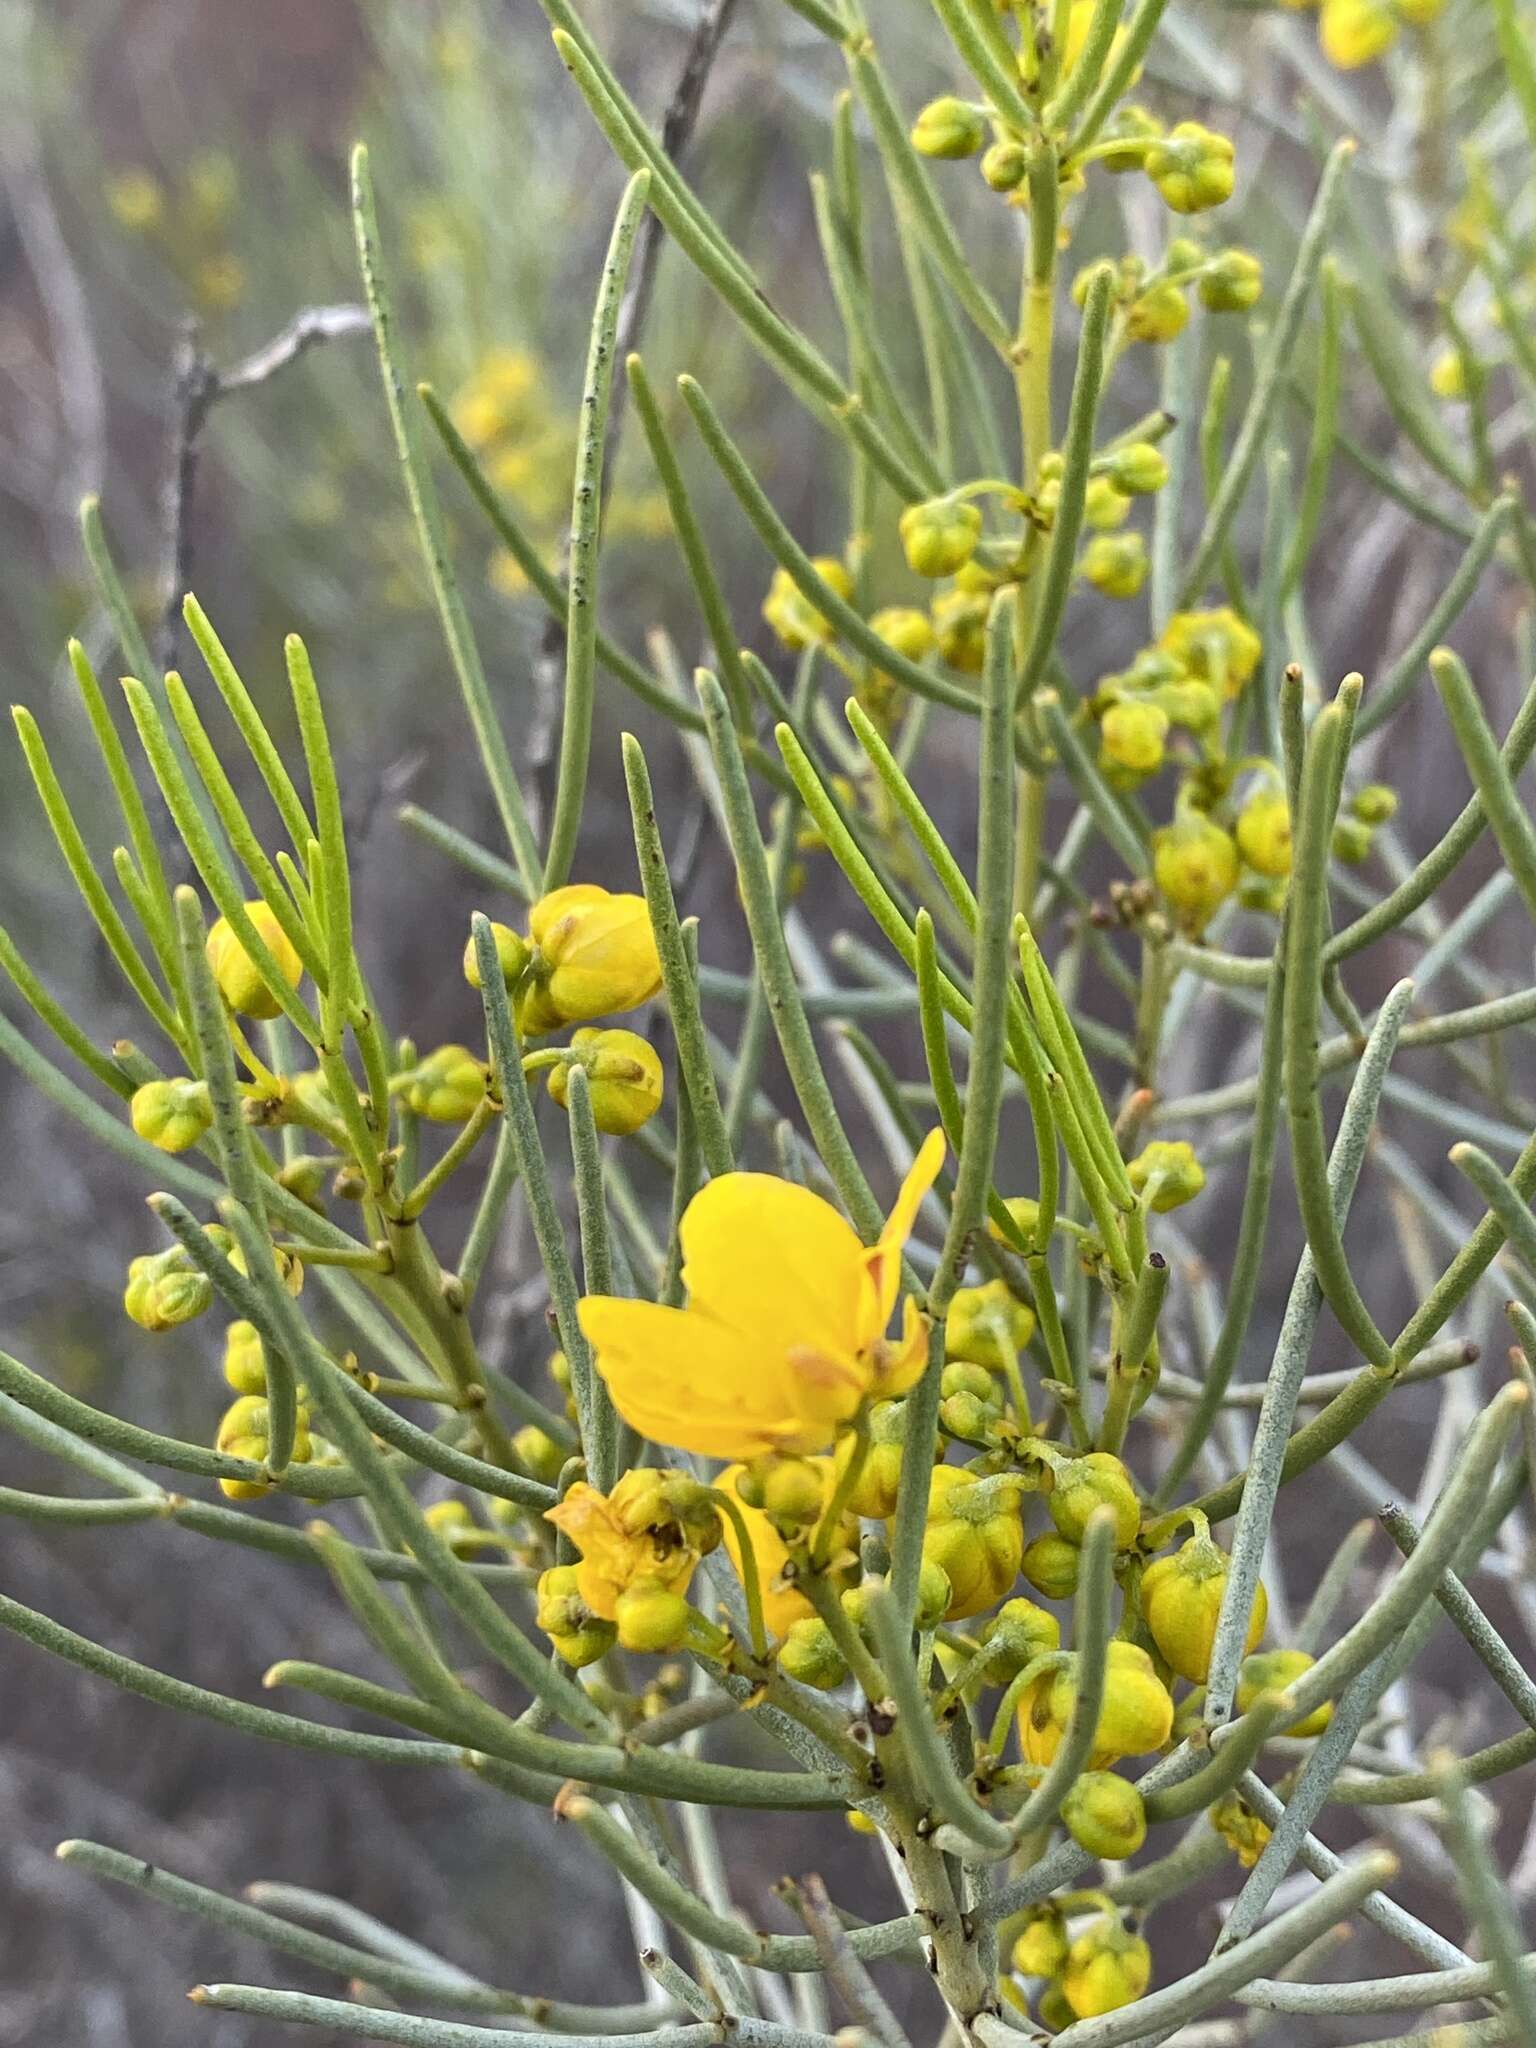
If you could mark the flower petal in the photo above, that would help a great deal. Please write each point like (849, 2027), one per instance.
(680, 1377)
(775, 1262)
(883, 1261)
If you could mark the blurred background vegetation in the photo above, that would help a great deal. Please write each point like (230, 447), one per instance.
(177, 167)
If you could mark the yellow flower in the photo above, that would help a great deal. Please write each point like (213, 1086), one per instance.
(1240, 1828)
(1216, 646)
(136, 200)
(1356, 32)
(784, 1335)
(645, 1531)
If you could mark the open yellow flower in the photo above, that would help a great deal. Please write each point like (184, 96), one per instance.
(784, 1334)
(650, 1528)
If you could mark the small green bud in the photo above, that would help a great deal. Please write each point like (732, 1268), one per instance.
(1158, 314)
(1116, 564)
(171, 1115)
(1051, 1566)
(1233, 283)
(1192, 167)
(939, 535)
(1138, 469)
(1173, 1166)
(651, 1618)
(538, 1453)
(1352, 841)
(1004, 166)
(810, 1656)
(1375, 804)
(447, 1086)
(1028, 1632)
(949, 128)
(1105, 1815)
(512, 951)
(1084, 1485)
(985, 1324)
(1105, 505)
(1277, 1671)
(165, 1290)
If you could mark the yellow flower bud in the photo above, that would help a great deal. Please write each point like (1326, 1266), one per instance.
(1105, 1815)
(1158, 314)
(171, 1115)
(939, 535)
(243, 1433)
(165, 1290)
(1217, 646)
(511, 951)
(976, 1534)
(981, 1318)
(949, 128)
(245, 1363)
(960, 621)
(1040, 1949)
(235, 972)
(1027, 1632)
(1005, 166)
(1025, 1212)
(447, 1086)
(624, 1070)
(1132, 734)
(790, 612)
(1051, 1566)
(1351, 842)
(1233, 282)
(1105, 505)
(1138, 469)
(538, 1453)
(651, 1618)
(1116, 564)
(792, 1491)
(1356, 32)
(935, 1593)
(596, 953)
(905, 628)
(1137, 1714)
(1375, 804)
(1195, 865)
(1083, 1485)
(1181, 1599)
(452, 1520)
(874, 1492)
(1127, 136)
(1277, 1671)
(1192, 167)
(305, 1176)
(783, 1604)
(1240, 1828)
(1173, 1165)
(1195, 706)
(1264, 833)
(579, 1636)
(1107, 1967)
(810, 1656)
(135, 199)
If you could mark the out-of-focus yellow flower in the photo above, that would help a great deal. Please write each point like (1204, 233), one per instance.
(1448, 375)
(960, 622)
(1079, 21)
(1158, 314)
(1132, 735)
(497, 396)
(136, 199)
(505, 574)
(211, 185)
(651, 1529)
(784, 1334)
(1195, 865)
(791, 614)
(220, 282)
(1217, 646)
(1192, 167)
(1356, 32)
(939, 535)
